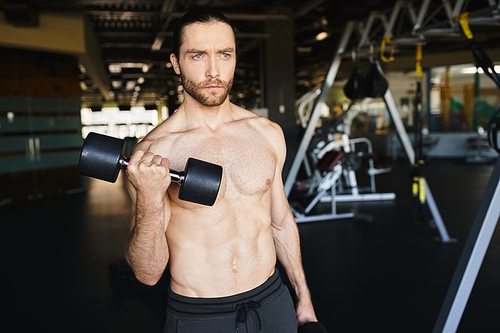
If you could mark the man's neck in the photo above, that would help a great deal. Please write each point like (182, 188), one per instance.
(197, 115)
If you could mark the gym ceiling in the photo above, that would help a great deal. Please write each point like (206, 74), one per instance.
(134, 37)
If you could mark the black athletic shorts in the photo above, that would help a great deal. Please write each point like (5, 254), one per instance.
(267, 309)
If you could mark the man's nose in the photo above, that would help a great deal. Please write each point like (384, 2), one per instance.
(213, 68)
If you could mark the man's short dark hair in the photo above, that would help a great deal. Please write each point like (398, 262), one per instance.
(200, 15)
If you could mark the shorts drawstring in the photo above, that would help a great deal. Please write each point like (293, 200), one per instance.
(244, 309)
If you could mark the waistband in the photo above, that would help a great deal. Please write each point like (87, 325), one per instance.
(222, 305)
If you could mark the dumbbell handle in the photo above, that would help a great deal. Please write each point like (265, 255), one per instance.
(177, 177)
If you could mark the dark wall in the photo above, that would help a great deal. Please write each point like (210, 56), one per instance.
(40, 124)
(279, 81)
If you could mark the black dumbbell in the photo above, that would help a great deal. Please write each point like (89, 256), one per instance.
(312, 327)
(102, 157)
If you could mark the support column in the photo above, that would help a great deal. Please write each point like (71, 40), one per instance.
(279, 81)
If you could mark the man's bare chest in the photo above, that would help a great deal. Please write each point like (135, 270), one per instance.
(247, 158)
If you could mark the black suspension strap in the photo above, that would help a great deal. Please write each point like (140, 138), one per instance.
(354, 87)
(493, 127)
(481, 58)
(375, 85)
(483, 61)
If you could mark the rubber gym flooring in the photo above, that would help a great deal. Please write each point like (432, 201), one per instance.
(61, 262)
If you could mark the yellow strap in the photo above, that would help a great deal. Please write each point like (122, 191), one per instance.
(421, 192)
(463, 19)
(382, 49)
(414, 189)
(418, 59)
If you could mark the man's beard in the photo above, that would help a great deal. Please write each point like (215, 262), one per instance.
(206, 98)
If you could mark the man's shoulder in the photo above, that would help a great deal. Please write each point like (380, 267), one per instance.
(267, 127)
(262, 123)
(161, 135)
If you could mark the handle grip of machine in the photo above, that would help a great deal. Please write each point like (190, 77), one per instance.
(493, 136)
(493, 127)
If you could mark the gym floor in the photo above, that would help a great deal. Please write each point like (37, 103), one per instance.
(61, 261)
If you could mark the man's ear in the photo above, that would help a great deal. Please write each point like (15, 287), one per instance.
(175, 63)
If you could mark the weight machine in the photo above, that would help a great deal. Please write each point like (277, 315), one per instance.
(423, 27)
(336, 162)
(327, 171)
(348, 145)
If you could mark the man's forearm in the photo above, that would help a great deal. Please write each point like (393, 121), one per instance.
(288, 251)
(147, 249)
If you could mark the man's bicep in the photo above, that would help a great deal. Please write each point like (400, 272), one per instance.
(279, 201)
(280, 208)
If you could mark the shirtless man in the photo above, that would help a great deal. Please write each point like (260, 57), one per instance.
(222, 258)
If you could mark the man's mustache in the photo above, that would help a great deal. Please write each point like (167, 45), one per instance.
(214, 82)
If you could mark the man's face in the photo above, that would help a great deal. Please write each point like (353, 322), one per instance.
(206, 62)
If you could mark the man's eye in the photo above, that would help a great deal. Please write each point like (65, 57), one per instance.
(197, 56)
(226, 55)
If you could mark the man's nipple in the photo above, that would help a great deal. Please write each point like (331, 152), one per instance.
(268, 182)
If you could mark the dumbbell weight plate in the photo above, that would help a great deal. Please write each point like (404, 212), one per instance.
(102, 157)
(201, 182)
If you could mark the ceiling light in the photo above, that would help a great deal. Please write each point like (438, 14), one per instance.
(82, 68)
(322, 35)
(116, 84)
(140, 80)
(132, 64)
(130, 85)
(157, 44)
(472, 70)
(115, 68)
(304, 49)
